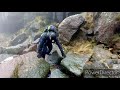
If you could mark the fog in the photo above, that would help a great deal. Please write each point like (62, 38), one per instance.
(10, 22)
(13, 21)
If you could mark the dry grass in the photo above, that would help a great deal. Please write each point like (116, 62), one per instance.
(85, 47)
(89, 19)
(80, 47)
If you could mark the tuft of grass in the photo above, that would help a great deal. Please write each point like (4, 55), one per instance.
(82, 47)
(89, 19)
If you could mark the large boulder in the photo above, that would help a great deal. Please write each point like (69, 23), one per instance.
(56, 73)
(116, 66)
(95, 65)
(100, 53)
(110, 62)
(106, 26)
(1, 49)
(96, 16)
(4, 56)
(18, 49)
(24, 66)
(56, 48)
(116, 48)
(18, 39)
(36, 41)
(75, 62)
(69, 26)
(96, 69)
(55, 57)
(32, 47)
(37, 36)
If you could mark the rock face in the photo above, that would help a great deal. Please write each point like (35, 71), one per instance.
(116, 66)
(18, 39)
(1, 50)
(32, 47)
(69, 26)
(75, 63)
(37, 36)
(36, 41)
(111, 62)
(116, 47)
(24, 66)
(93, 70)
(56, 73)
(100, 53)
(106, 26)
(96, 65)
(4, 56)
(98, 69)
(55, 57)
(55, 48)
(18, 49)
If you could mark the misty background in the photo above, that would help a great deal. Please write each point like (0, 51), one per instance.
(11, 22)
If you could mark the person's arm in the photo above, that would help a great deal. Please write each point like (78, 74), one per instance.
(60, 47)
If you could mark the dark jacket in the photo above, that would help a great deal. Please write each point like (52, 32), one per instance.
(46, 40)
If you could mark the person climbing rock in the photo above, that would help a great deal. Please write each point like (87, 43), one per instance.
(48, 37)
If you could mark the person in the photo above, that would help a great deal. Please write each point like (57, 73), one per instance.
(48, 37)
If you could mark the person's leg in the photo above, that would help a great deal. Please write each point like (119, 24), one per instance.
(41, 51)
(40, 54)
(43, 55)
(44, 52)
(49, 48)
